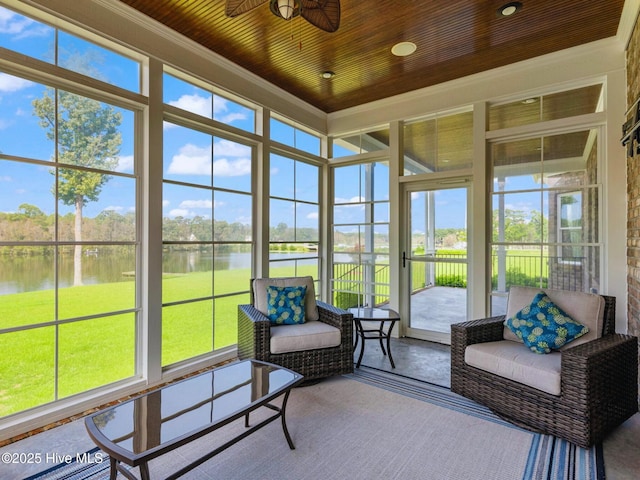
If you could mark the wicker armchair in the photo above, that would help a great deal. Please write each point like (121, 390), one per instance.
(598, 382)
(254, 341)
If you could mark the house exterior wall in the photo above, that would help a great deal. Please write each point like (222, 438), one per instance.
(633, 192)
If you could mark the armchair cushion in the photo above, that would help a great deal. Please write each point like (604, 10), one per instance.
(585, 308)
(510, 360)
(302, 337)
(543, 326)
(261, 302)
(286, 305)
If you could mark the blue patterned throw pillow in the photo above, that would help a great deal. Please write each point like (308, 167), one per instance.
(286, 305)
(543, 326)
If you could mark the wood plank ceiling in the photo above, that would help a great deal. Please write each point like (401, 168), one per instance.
(454, 38)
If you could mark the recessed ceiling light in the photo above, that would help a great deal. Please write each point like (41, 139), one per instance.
(327, 74)
(509, 9)
(528, 101)
(403, 49)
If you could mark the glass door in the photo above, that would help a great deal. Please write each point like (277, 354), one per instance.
(435, 261)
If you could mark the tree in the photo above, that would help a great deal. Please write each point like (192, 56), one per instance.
(87, 135)
(521, 226)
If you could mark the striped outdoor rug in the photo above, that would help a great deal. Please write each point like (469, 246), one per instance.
(378, 425)
(549, 456)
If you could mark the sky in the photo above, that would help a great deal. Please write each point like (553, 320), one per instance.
(189, 156)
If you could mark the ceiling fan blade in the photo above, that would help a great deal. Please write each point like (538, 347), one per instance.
(324, 14)
(234, 8)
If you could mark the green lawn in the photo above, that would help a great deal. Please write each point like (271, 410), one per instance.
(99, 351)
(523, 267)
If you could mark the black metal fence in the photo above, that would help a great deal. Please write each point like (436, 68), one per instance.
(352, 281)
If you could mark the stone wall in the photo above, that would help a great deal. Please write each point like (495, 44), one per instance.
(633, 192)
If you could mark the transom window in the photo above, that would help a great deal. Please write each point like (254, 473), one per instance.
(204, 101)
(290, 134)
(43, 42)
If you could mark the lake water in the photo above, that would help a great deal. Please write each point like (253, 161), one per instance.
(30, 273)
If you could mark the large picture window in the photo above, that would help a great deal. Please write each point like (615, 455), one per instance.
(68, 244)
(207, 241)
(206, 221)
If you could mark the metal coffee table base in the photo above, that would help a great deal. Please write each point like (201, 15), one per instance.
(148, 426)
(144, 467)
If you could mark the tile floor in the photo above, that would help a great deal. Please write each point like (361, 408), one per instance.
(414, 358)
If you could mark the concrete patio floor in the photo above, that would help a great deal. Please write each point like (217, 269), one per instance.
(437, 308)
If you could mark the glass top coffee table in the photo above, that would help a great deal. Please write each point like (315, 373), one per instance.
(157, 422)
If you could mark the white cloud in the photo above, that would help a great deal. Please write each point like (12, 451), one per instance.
(220, 107)
(350, 202)
(356, 199)
(186, 204)
(232, 117)
(313, 216)
(5, 178)
(9, 83)
(202, 106)
(12, 23)
(166, 203)
(194, 160)
(191, 160)
(234, 168)
(115, 209)
(232, 149)
(179, 212)
(21, 27)
(525, 207)
(125, 163)
(194, 103)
